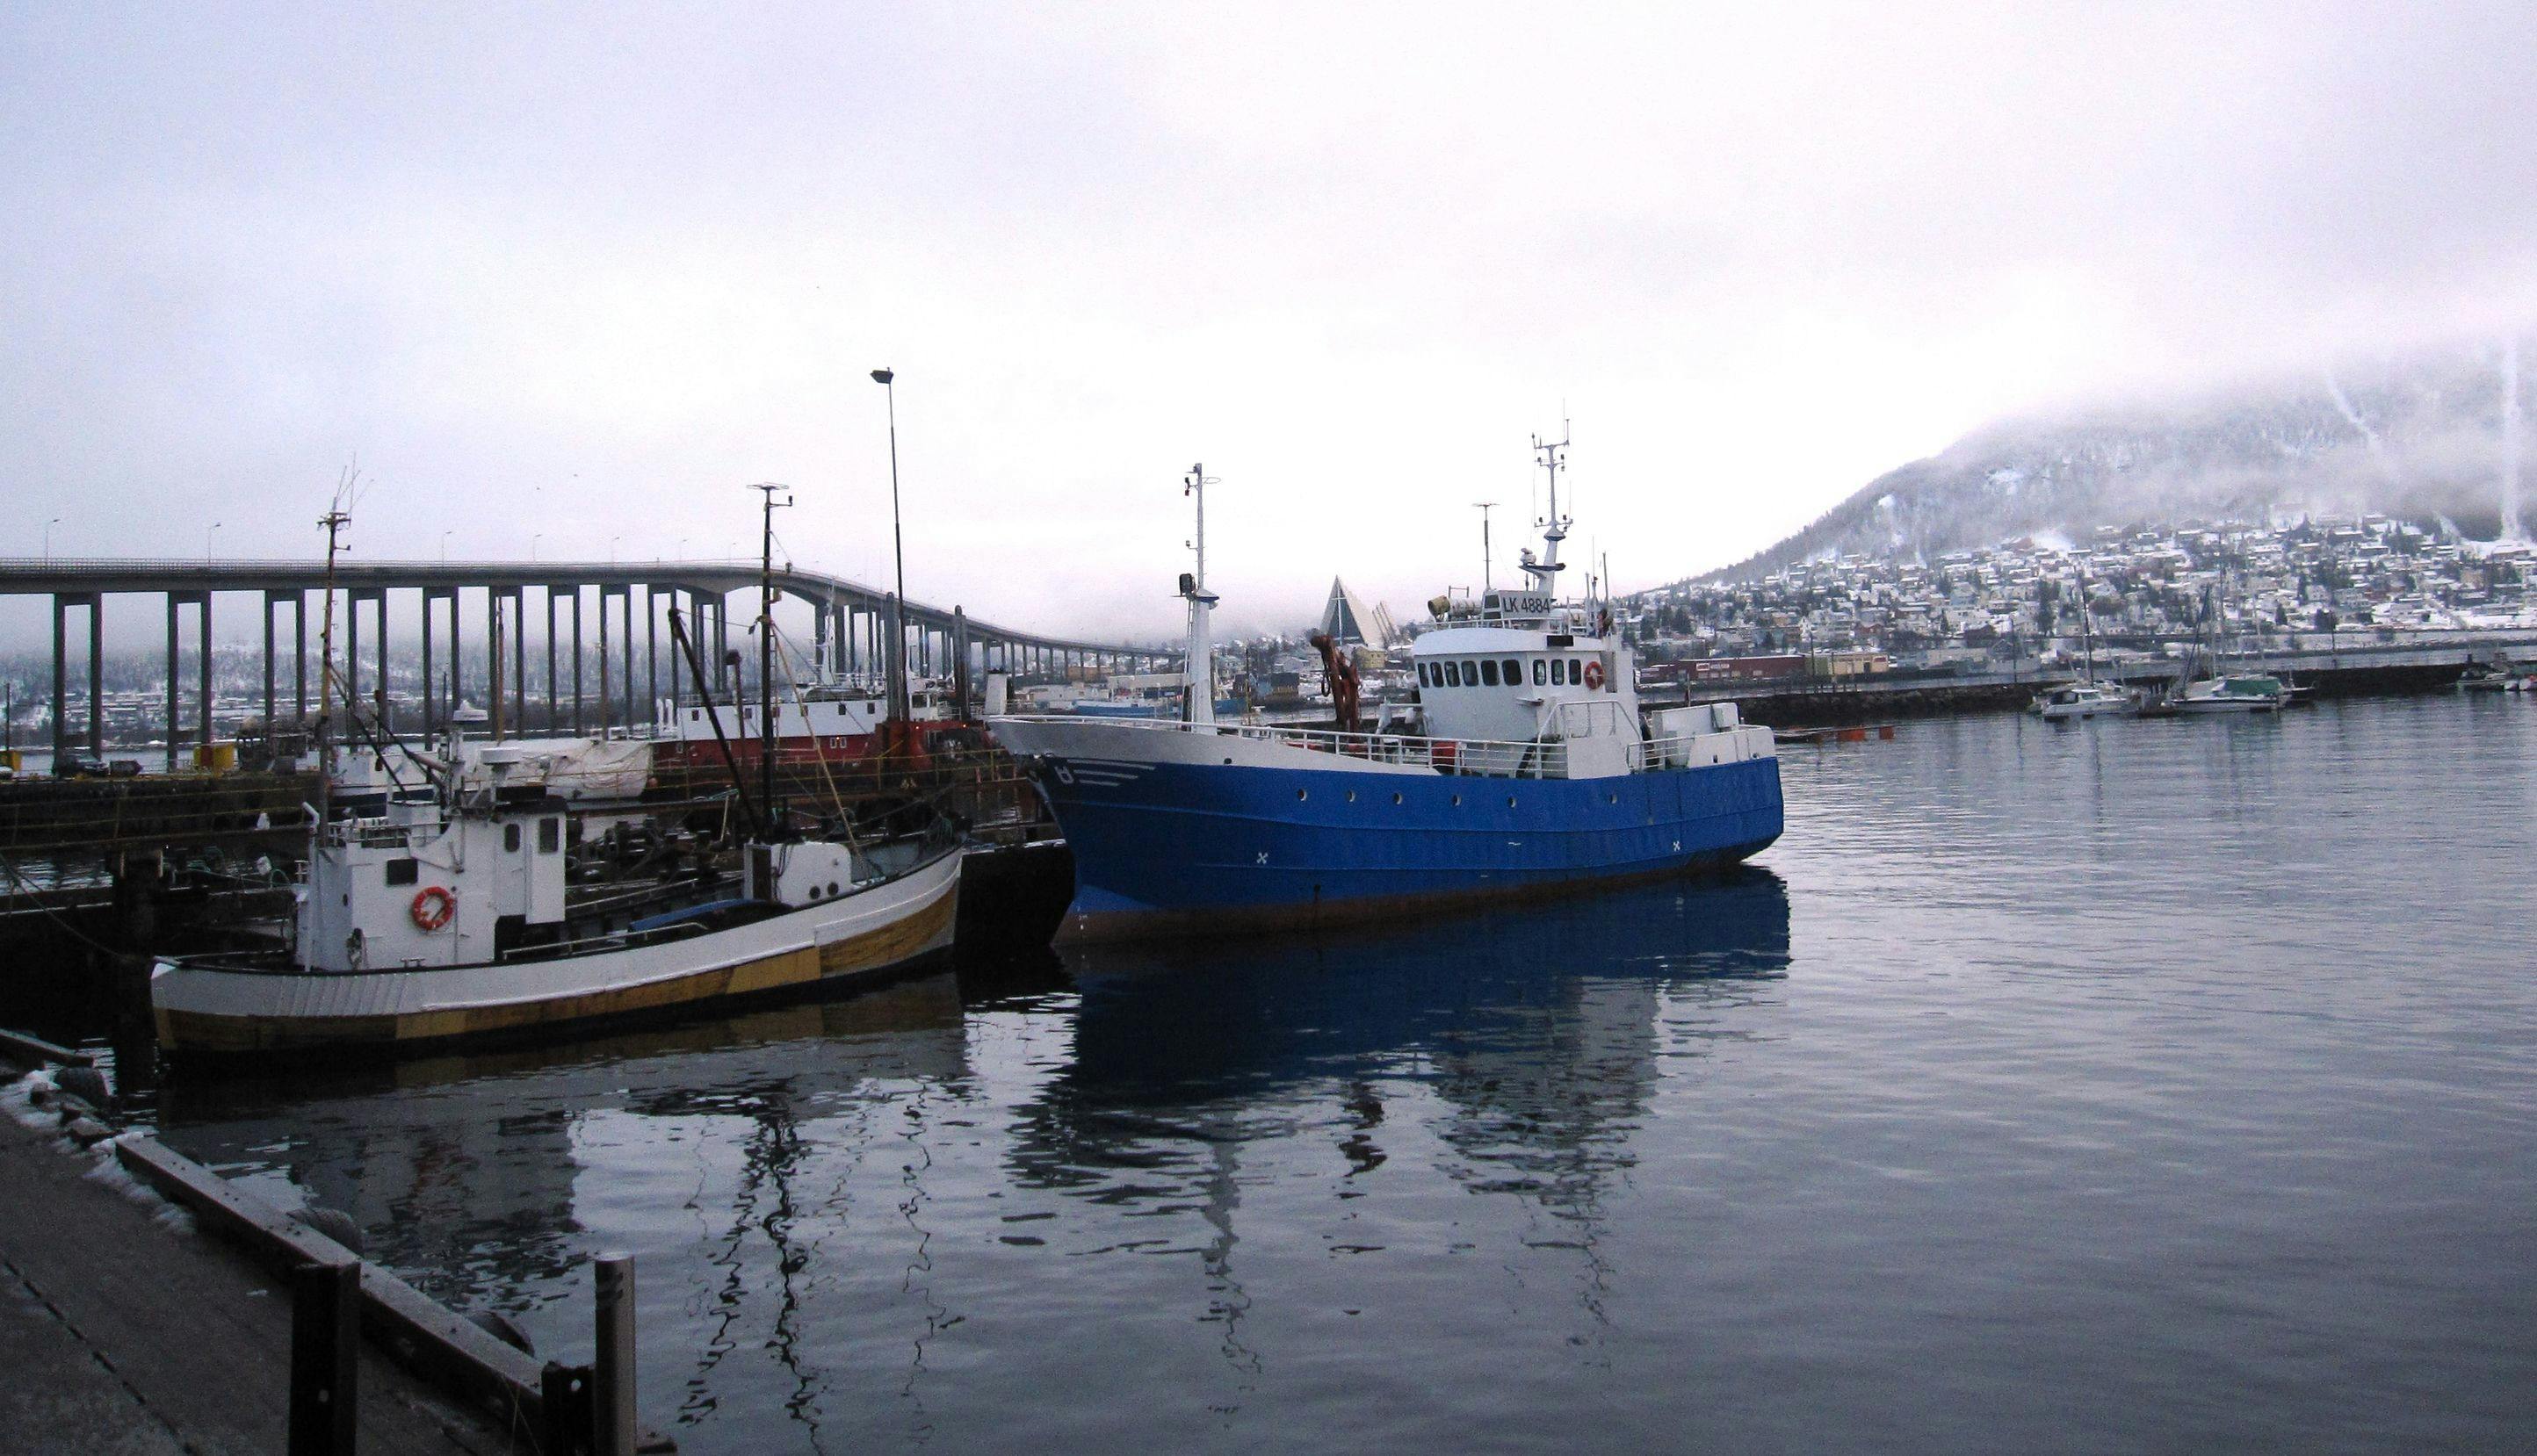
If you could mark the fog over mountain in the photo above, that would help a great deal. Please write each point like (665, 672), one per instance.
(2433, 436)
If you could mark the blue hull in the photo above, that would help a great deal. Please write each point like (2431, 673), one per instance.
(1164, 848)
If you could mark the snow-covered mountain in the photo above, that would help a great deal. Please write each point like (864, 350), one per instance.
(2426, 438)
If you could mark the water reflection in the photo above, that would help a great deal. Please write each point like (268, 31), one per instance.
(463, 1169)
(812, 1186)
(1536, 1030)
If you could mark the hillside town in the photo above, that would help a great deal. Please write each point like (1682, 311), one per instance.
(2147, 590)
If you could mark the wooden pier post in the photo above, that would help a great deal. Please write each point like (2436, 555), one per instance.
(325, 1357)
(563, 1405)
(613, 1373)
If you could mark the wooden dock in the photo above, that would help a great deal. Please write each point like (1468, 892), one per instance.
(122, 1334)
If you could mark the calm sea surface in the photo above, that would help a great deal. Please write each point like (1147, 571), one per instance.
(2127, 1086)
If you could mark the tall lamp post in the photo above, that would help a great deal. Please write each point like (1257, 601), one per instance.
(887, 379)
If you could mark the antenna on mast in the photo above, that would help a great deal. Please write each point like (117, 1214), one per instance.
(766, 648)
(1198, 700)
(1554, 525)
(1488, 557)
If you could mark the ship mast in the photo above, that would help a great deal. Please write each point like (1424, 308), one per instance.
(766, 645)
(1554, 526)
(1198, 702)
(335, 520)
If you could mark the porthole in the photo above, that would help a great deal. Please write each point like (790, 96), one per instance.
(1303, 794)
(1458, 799)
(1352, 796)
(1396, 799)
(814, 892)
(832, 887)
(1611, 798)
(1510, 800)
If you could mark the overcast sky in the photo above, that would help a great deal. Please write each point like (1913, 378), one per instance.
(566, 280)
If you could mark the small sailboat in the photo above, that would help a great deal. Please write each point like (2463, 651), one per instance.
(441, 911)
(2087, 697)
(2224, 692)
(2237, 693)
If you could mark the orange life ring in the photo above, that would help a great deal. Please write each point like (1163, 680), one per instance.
(432, 907)
(1594, 674)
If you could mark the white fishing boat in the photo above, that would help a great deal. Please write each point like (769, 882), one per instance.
(434, 923)
(440, 910)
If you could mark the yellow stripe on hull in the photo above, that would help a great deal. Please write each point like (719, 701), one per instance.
(876, 950)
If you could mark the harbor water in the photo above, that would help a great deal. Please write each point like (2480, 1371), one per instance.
(2112, 1086)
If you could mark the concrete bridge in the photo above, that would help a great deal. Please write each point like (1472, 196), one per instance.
(853, 625)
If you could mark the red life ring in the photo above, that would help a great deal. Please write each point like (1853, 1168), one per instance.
(1594, 674)
(432, 907)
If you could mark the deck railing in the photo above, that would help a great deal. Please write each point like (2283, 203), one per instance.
(1481, 757)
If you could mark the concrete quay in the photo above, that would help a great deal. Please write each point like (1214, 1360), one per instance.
(2329, 673)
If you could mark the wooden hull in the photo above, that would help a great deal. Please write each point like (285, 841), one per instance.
(208, 1012)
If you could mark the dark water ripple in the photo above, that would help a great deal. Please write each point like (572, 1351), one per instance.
(2138, 1086)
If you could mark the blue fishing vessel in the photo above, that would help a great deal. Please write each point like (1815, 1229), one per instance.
(1525, 766)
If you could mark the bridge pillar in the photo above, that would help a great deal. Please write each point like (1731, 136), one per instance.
(620, 706)
(605, 702)
(494, 662)
(553, 716)
(652, 650)
(176, 603)
(725, 674)
(300, 656)
(352, 651)
(626, 609)
(268, 666)
(430, 682)
(61, 678)
(519, 598)
(457, 658)
(576, 661)
(352, 599)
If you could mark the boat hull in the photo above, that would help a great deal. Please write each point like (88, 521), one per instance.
(1182, 848)
(208, 1012)
(2227, 705)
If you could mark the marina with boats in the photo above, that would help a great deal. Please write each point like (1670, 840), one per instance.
(457, 890)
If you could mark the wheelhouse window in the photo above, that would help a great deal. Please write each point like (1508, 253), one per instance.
(1514, 673)
(1489, 672)
(550, 835)
(1540, 672)
(404, 872)
(511, 839)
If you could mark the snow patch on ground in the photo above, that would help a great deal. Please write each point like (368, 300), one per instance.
(19, 1098)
